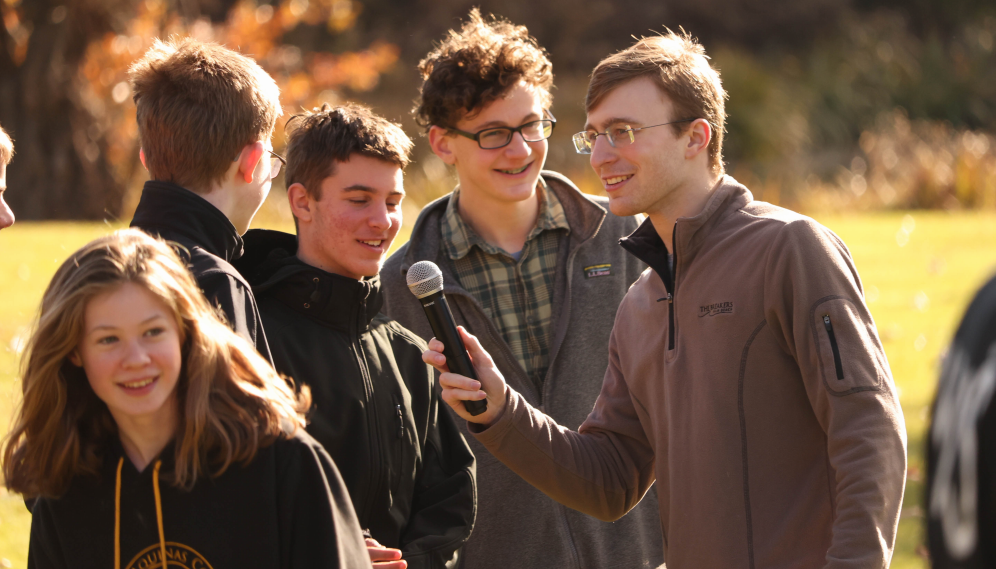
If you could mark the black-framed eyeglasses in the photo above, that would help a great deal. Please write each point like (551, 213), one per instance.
(622, 135)
(498, 137)
(276, 161)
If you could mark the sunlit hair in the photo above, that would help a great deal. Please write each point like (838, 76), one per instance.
(230, 400)
(679, 66)
(319, 139)
(198, 104)
(6, 147)
(478, 64)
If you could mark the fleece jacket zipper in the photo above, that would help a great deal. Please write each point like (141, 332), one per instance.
(838, 366)
(673, 273)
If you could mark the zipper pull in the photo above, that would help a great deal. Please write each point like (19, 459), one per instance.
(670, 298)
(826, 321)
(401, 422)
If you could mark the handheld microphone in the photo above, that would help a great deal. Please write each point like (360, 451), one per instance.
(425, 280)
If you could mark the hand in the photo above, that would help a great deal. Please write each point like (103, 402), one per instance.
(384, 557)
(458, 388)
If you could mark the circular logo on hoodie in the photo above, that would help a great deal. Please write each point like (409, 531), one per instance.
(178, 556)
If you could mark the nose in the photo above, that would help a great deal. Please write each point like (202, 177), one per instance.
(518, 147)
(137, 356)
(380, 218)
(602, 153)
(6, 215)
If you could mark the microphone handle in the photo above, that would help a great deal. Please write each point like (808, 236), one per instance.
(437, 310)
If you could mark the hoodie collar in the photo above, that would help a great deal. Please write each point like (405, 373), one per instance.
(689, 232)
(275, 271)
(178, 214)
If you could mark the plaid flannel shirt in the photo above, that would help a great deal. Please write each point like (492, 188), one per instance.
(516, 295)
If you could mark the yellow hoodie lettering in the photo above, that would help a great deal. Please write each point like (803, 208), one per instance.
(177, 555)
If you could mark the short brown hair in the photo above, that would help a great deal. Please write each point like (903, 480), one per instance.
(677, 63)
(318, 139)
(6, 147)
(198, 105)
(231, 402)
(476, 65)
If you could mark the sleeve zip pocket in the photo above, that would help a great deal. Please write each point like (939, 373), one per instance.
(833, 346)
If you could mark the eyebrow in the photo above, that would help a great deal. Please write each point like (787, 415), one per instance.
(369, 190)
(616, 120)
(495, 124)
(107, 327)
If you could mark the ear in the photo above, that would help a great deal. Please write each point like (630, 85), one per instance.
(300, 202)
(74, 358)
(699, 135)
(250, 157)
(141, 156)
(440, 141)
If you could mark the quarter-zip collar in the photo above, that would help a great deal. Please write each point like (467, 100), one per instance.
(689, 232)
(178, 214)
(339, 302)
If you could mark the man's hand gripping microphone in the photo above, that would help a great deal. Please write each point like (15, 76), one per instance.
(425, 280)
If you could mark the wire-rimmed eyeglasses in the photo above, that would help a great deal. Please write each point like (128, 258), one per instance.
(617, 136)
(498, 137)
(276, 161)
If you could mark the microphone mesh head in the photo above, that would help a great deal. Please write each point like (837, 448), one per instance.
(424, 278)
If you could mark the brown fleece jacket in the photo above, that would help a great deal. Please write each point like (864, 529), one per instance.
(766, 413)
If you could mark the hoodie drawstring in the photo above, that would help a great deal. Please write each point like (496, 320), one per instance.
(117, 514)
(117, 517)
(159, 512)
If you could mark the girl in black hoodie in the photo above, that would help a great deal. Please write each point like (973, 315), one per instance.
(152, 436)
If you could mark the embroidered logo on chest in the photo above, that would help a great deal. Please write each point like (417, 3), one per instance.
(602, 270)
(177, 555)
(714, 309)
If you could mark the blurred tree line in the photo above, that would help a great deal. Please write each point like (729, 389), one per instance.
(859, 103)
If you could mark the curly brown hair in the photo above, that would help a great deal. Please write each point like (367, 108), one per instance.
(476, 65)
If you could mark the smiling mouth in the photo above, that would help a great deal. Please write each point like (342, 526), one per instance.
(515, 170)
(139, 383)
(617, 179)
(372, 243)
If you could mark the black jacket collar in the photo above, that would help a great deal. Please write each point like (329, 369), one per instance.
(177, 214)
(273, 269)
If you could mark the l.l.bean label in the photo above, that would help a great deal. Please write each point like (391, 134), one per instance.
(602, 270)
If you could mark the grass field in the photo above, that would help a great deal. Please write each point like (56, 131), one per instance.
(919, 271)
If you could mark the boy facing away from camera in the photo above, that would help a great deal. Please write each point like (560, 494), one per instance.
(205, 118)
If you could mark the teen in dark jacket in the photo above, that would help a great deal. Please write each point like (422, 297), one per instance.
(409, 471)
(376, 408)
(199, 105)
(150, 433)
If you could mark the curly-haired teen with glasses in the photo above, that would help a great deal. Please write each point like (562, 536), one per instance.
(205, 118)
(531, 265)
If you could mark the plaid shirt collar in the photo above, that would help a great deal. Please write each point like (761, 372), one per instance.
(459, 237)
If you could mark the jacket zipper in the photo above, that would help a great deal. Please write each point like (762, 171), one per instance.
(674, 285)
(833, 346)
(376, 455)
